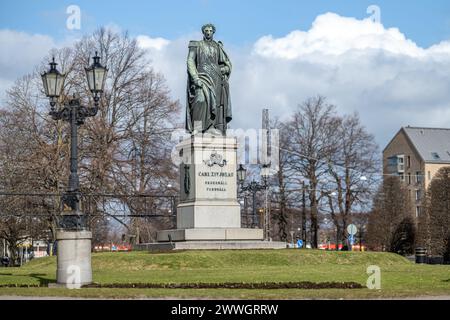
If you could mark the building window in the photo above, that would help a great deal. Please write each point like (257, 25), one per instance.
(418, 177)
(401, 163)
(396, 164)
(418, 195)
(417, 211)
(409, 177)
(408, 161)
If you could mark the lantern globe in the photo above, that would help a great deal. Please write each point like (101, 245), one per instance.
(52, 81)
(96, 76)
(241, 173)
(265, 171)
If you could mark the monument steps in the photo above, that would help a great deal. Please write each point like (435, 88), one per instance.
(210, 245)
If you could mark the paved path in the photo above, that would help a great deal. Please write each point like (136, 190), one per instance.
(175, 298)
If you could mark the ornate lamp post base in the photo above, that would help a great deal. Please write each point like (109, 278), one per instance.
(74, 258)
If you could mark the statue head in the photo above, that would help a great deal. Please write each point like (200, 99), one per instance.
(208, 31)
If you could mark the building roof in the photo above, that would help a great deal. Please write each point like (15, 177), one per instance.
(432, 144)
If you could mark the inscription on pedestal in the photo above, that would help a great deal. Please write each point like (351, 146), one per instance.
(214, 181)
(208, 170)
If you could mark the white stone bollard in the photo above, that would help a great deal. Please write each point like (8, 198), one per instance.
(74, 258)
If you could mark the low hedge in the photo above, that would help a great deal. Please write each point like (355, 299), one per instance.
(228, 285)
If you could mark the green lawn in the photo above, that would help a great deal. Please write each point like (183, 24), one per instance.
(399, 277)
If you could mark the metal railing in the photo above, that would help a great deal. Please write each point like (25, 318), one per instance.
(37, 205)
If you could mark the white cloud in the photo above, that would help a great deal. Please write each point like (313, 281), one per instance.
(169, 58)
(359, 65)
(152, 43)
(442, 48)
(20, 50)
(332, 34)
(20, 53)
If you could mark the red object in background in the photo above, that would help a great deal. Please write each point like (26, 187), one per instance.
(329, 246)
(332, 246)
(113, 247)
(123, 247)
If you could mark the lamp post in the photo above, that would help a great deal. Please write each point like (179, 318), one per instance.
(252, 187)
(173, 210)
(74, 240)
(265, 173)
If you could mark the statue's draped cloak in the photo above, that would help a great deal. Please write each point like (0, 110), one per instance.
(204, 61)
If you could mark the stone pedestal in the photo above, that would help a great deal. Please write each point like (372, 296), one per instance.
(74, 258)
(208, 208)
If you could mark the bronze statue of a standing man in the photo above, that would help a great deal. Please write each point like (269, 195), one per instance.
(208, 95)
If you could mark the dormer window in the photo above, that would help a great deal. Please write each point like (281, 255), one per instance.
(435, 156)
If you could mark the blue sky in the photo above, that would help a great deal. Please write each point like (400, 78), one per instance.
(394, 73)
(238, 21)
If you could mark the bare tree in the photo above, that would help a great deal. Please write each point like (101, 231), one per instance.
(352, 168)
(311, 141)
(18, 223)
(281, 181)
(125, 148)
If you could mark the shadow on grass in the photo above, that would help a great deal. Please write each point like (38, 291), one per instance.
(43, 282)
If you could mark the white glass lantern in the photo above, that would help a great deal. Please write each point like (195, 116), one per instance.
(265, 171)
(53, 81)
(96, 75)
(241, 173)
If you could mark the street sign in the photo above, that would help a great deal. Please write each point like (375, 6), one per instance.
(351, 229)
(299, 243)
(351, 239)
